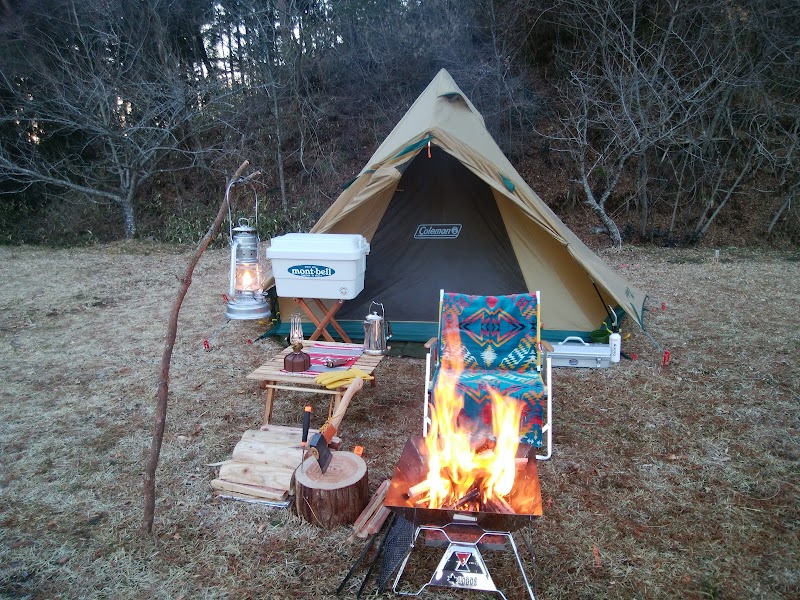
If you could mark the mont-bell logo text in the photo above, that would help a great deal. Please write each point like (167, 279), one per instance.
(311, 271)
(437, 231)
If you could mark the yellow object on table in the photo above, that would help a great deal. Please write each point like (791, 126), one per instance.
(337, 379)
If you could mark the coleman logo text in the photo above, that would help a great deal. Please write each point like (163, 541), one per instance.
(437, 231)
(311, 271)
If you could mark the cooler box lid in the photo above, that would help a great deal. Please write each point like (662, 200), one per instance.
(330, 246)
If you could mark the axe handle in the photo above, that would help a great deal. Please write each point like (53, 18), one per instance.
(341, 407)
(306, 424)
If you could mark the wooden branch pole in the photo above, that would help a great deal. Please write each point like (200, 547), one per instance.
(166, 359)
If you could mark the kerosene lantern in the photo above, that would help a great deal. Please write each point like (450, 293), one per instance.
(246, 299)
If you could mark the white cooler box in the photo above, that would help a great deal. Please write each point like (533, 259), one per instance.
(574, 352)
(319, 265)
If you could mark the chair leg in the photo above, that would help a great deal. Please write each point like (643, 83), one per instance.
(547, 429)
(425, 417)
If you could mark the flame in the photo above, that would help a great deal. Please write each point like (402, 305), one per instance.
(248, 278)
(455, 465)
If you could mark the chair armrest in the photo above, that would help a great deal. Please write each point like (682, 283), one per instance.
(433, 349)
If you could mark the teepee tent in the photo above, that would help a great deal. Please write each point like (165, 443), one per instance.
(443, 208)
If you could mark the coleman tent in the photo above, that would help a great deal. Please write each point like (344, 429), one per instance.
(443, 208)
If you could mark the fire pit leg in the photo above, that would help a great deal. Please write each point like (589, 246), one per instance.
(462, 565)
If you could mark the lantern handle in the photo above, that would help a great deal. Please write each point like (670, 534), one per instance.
(233, 182)
(232, 282)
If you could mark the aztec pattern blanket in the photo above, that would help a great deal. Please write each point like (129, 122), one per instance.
(495, 339)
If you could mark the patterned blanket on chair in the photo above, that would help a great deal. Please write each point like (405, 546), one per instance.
(496, 340)
(495, 332)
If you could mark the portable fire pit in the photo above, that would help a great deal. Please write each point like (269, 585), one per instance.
(467, 525)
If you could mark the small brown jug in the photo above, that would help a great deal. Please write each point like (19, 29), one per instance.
(297, 361)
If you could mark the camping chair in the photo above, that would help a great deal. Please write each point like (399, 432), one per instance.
(499, 343)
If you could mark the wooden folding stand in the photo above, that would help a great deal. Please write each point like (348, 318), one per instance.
(271, 377)
(328, 319)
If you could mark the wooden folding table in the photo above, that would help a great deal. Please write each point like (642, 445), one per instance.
(271, 377)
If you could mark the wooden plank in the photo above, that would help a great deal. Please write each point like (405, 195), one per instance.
(251, 491)
(279, 435)
(295, 388)
(285, 436)
(280, 455)
(259, 475)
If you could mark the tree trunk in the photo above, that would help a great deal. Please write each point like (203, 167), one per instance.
(335, 497)
(128, 213)
(787, 204)
(643, 206)
(613, 231)
(705, 222)
(599, 210)
(278, 150)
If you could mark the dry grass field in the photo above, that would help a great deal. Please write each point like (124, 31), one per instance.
(666, 482)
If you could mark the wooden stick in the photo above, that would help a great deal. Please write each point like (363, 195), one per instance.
(468, 497)
(376, 522)
(377, 499)
(422, 500)
(499, 505)
(420, 488)
(149, 487)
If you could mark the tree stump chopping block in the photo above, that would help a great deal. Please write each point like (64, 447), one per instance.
(335, 497)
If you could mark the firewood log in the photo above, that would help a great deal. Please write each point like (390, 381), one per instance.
(249, 490)
(252, 451)
(419, 488)
(261, 475)
(376, 522)
(375, 502)
(497, 504)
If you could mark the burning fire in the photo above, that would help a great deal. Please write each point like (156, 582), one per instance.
(462, 467)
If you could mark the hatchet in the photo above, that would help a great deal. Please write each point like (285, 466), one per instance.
(320, 441)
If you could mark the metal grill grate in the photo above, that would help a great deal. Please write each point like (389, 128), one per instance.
(398, 545)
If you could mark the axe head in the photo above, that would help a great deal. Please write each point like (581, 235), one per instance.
(320, 451)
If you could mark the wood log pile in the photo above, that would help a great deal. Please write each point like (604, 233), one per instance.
(371, 519)
(262, 465)
(473, 499)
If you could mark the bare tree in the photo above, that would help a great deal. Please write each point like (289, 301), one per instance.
(97, 104)
(640, 74)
